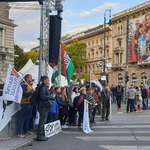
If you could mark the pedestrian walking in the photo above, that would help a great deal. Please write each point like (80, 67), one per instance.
(119, 93)
(138, 99)
(144, 98)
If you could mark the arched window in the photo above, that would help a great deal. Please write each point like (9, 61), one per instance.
(89, 55)
(107, 52)
(92, 43)
(107, 40)
(144, 76)
(121, 29)
(96, 42)
(97, 54)
(120, 78)
(134, 79)
(118, 30)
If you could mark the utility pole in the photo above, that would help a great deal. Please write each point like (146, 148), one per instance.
(127, 57)
(41, 44)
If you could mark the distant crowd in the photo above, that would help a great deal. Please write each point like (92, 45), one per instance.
(67, 104)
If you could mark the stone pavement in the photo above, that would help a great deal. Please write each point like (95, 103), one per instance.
(125, 132)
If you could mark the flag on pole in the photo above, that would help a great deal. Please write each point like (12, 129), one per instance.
(67, 64)
(54, 75)
(12, 89)
(95, 80)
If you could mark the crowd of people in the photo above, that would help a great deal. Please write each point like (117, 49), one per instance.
(67, 104)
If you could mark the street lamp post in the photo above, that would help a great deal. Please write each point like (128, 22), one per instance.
(105, 18)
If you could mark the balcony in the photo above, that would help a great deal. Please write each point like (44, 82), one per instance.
(118, 66)
(143, 63)
(118, 49)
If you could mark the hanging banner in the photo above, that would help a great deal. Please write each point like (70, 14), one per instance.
(7, 110)
(139, 39)
(52, 128)
(12, 89)
(86, 124)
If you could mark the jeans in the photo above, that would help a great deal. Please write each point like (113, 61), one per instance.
(93, 114)
(105, 111)
(90, 115)
(133, 107)
(119, 101)
(43, 117)
(71, 115)
(75, 115)
(144, 102)
(114, 98)
(25, 116)
(80, 118)
(130, 103)
(62, 117)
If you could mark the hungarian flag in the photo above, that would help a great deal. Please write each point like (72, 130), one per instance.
(54, 75)
(67, 64)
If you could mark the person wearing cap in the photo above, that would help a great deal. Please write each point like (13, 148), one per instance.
(119, 93)
(130, 95)
(80, 106)
(43, 106)
(144, 97)
(26, 108)
(106, 97)
(91, 99)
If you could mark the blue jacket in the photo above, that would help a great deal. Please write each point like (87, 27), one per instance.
(54, 109)
(59, 102)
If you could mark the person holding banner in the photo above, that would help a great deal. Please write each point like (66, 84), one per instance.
(45, 103)
(80, 106)
(26, 108)
(106, 96)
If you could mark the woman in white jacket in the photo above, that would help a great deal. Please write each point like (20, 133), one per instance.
(74, 94)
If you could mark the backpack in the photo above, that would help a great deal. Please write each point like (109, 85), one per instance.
(75, 101)
(34, 99)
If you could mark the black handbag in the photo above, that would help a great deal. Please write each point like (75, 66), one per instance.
(48, 103)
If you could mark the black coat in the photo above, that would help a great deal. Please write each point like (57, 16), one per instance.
(119, 90)
(64, 108)
(144, 93)
(44, 95)
(81, 106)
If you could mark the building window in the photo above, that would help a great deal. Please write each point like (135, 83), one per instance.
(89, 45)
(134, 79)
(93, 55)
(101, 42)
(2, 37)
(80, 69)
(85, 69)
(89, 67)
(119, 43)
(89, 55)
(107, 52)
(121, 58)
(92, 43)
(121, 29)
(93, 68)
(101, 53)
(96, 42)
(107, 40)
(97, 54)
(120, 78)
(118, 30)
(144, 76)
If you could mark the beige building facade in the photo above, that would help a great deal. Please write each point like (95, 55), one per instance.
(94, 39)
(6, 40)
(139, 40)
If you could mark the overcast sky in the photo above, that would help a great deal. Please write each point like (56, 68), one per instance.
(78, 15)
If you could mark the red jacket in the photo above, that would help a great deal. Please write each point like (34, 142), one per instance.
(147, 93)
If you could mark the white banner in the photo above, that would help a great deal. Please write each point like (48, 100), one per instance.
(86, 124)
(52, 128)
(12, 89)
(7, 110)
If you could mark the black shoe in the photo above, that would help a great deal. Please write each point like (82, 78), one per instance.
(107, 119)
(94, 122)
(41, 139)
(102, 120)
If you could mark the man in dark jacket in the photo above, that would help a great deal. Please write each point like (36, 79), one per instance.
(119, 93)
(144, 97)
(43, 107)
(106, 96)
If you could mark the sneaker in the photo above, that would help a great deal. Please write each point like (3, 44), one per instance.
(65, 126)
(136, 111)
(21, 136)
(79, 128)
(41, 139)
(140, 111)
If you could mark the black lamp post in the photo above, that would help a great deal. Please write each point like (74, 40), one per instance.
(110, 23)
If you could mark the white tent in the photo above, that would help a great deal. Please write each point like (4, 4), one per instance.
(26, 66)
(33, 70)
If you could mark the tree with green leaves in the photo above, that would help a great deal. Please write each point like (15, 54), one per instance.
(76, 52)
